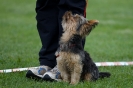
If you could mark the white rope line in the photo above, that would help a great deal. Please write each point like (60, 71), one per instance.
(97, 64)
(114, 63)
(15, 70)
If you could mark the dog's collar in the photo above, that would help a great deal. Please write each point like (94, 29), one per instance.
(57, 55)
(71, 45)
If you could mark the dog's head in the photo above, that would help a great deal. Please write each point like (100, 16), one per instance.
(77, 24)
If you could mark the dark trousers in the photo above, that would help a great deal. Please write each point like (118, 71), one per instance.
(49, 17)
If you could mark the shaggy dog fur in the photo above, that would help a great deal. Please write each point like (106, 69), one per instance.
(73, 62)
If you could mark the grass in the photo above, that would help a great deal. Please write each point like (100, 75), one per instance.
(111, 40)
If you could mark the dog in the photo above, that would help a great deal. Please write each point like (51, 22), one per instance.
(73, 62)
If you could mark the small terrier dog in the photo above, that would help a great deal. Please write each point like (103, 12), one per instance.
(73, 62)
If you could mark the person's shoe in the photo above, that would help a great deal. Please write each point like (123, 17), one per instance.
(52, 75)
(37, 73)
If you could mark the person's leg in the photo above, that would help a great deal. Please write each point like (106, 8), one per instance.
(76, 6)
(47, 25)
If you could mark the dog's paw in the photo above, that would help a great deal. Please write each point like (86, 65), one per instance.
(74, 83)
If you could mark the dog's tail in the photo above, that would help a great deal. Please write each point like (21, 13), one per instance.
(104, 74)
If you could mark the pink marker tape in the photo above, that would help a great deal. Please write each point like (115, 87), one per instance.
(97, 64)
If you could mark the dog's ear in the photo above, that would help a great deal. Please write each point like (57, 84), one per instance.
(67, 16)
(87, 27)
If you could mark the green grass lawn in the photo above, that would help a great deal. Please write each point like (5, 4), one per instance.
(111, 40)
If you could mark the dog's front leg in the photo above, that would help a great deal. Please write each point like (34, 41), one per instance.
(75, 75)
(65, 77)
(64, 74)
